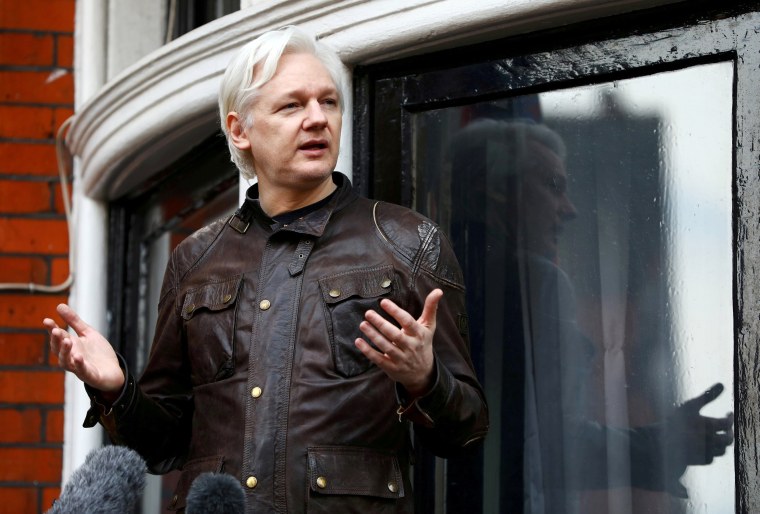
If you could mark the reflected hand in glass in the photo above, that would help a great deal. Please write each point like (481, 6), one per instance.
(694, 439)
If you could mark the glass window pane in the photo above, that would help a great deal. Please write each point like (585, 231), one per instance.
(594, 228)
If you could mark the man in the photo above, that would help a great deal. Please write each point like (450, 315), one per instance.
(555, 449)
(286, 352)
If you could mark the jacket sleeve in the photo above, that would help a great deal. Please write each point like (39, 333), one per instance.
(153, 416)
(454, 413)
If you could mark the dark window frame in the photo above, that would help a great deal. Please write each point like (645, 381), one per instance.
(191, 14)
(651, 41)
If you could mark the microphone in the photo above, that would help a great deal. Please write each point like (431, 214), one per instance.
(215, 493)
(111, 479)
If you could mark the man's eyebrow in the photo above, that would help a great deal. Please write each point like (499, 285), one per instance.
(297, 91)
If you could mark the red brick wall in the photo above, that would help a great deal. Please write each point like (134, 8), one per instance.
(36, 96)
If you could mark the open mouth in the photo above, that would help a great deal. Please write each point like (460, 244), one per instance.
(313, 145)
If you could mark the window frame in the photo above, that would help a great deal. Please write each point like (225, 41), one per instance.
(652, 41)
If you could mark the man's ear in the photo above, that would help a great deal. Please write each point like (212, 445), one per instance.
(235, 130)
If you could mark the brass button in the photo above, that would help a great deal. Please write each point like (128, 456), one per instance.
(251, 482)
(386, 283)
(392, 487)
(334, 293)
(321, 482)
(190, 308)
(227, 298)
(256, 392)
(264, 305)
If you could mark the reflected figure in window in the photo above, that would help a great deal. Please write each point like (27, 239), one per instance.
(551, 446)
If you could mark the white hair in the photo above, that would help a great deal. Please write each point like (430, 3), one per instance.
(238, 89)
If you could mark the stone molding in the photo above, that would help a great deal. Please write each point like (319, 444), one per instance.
(166, 102)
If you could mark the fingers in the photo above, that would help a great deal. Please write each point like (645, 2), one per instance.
(403, 352)
(717, 436)
(49, 324)
(708, 396)
(56, 334)
(716, 443)
(72, 319)
(722, 424)
(719, 425)
(385, 334)
(61, 343)
(403, 318)
(713, 392)
(725, 430)
(431, 308)
(379, 359)
(64, 352)
(720, 443)
(385, 343)
(392, 340)
(409, 325)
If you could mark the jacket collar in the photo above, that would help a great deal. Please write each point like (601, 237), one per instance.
(312, 224)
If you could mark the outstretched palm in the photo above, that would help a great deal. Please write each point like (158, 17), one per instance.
(87, 353)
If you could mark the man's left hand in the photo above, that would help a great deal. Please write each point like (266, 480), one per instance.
(405, 354)
(692, 438)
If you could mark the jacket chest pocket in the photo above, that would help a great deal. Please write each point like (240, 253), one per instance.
(210, 317)
(347, 297)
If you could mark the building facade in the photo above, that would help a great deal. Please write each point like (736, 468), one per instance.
(593, 162)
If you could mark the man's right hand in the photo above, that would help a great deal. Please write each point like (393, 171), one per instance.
(87, 353)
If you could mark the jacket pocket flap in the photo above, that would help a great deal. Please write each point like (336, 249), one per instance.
(358, 471)
(364, 283)
(190, 472)
(215, 296)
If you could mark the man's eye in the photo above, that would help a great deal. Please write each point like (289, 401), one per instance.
(556, 185)
(330, 101)
(291, 105)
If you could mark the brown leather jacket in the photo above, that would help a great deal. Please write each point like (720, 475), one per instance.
(254, 371)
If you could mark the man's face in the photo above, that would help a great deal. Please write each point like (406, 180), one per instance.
(295, 135)
(545, 206)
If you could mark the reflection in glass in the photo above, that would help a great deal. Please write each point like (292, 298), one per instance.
(594, 227)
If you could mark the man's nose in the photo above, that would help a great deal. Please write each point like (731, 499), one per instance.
(567, 210)
(315, 116)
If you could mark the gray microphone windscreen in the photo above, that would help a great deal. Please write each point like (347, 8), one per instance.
(111, 479)
(215, 493)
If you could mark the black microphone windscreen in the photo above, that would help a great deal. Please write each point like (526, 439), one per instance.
(111, 479)
(215, 493)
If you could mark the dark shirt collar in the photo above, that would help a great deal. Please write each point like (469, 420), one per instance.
(286, 218)
(314, 218)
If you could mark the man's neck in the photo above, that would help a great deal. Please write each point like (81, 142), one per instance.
(276, 201)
